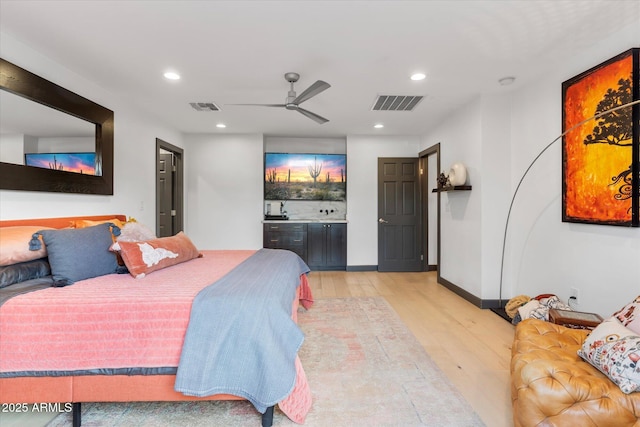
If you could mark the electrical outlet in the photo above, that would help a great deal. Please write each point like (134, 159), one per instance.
(574, 296)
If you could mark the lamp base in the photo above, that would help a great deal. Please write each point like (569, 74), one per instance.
(502, 313)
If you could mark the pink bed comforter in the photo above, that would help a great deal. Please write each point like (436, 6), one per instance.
(119, 322)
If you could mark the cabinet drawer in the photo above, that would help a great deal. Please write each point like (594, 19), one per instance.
(283, 240)
(284, 227)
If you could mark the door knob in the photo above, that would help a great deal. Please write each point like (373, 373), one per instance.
(382, 221)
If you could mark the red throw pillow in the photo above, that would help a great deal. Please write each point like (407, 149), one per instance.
(142, 258)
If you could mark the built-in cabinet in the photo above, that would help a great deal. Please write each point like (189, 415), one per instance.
(326, 246)
(323, 246)
(282, 235)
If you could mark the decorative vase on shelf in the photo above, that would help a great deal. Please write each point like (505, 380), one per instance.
(457, 174)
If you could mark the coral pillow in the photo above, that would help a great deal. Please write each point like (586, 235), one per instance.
(142, 258)
(615, 351)
(14, 244)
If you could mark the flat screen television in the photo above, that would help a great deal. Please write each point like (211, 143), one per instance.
(294, 176)
(84, 163)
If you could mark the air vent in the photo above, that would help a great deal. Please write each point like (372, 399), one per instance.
(204, 106)
(396, 103)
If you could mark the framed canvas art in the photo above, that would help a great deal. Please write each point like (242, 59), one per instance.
(297, 176)
(600, 157)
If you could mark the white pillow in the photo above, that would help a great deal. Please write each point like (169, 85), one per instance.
(615, 351)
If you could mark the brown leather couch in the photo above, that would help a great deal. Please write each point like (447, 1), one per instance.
(552, 386)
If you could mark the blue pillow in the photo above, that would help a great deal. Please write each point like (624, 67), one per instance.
(79, 253)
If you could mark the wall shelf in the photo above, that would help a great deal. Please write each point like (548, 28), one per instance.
(454, 188)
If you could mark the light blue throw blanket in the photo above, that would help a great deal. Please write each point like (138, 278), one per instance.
(241, 339)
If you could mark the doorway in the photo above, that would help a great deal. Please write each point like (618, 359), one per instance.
(430, 205)
(169, 189)
(399, 217)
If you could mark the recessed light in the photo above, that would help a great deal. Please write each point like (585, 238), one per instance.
(221, 125)
(378, 126)
(418, 76)
(170, 75)
(506, 81)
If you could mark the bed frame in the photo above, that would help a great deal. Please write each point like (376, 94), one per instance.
(99, 388)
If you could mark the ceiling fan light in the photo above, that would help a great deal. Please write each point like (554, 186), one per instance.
(221, 125)
(171, 75)
(418, 76)
(378, 126)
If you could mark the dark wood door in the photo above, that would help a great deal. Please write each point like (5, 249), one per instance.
(165, 193)
(399, 218)
(169, 189)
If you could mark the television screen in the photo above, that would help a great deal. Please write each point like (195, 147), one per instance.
(289, 176)
(69, 162)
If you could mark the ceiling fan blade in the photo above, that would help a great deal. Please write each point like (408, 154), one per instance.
(312, 91)
(312, 116)
(262, 105)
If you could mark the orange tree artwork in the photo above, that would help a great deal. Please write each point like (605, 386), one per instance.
(600, 157)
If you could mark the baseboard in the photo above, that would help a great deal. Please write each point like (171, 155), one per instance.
(362, 268)
(478, 302)
(375, 268)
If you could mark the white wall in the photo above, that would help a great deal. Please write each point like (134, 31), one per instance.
(223, 186)
(460, 228)
(362, 191)
(497, 137)
(12, 148)
(134, 139)
(545, 254)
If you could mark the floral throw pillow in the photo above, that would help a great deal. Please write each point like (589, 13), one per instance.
(615, 351)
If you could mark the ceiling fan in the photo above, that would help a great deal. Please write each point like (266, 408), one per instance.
(293, 102)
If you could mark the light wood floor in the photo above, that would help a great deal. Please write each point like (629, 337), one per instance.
(472, 346)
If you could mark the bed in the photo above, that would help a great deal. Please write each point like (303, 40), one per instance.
(165, 335)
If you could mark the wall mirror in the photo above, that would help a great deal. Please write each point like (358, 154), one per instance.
(39, 116)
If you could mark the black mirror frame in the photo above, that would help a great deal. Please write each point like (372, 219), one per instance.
(26, 178)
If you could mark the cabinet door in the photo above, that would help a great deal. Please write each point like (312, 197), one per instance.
(315, 245)
(336, 245)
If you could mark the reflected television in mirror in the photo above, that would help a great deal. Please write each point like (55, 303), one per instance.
(295, 176)
(84, 163)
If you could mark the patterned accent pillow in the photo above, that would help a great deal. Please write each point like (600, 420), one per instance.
(142, 258)
(615, 351)
(629, 315)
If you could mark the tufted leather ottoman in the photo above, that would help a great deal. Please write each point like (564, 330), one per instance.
(552, 386)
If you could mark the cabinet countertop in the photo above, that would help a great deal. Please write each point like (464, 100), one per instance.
(306, 221)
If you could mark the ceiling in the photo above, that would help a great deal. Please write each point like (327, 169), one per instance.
(238, 52)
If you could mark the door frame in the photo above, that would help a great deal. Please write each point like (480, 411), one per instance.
(179, 196)
(434, 150)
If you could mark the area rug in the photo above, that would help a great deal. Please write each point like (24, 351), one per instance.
(364, 366)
